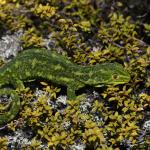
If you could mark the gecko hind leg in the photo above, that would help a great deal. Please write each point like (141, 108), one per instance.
(14, 108)
(15, 103)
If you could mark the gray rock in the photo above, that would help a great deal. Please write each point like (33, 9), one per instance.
(10, 45)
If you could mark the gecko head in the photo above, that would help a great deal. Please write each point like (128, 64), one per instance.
(108, 73)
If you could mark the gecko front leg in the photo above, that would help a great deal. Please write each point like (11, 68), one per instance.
(71, 92)
(72, 88)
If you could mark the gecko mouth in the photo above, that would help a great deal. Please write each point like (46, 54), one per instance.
(123, 81)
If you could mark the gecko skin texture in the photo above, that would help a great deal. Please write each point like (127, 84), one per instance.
(51, 66)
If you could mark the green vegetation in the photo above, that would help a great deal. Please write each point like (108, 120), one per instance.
(88, 32)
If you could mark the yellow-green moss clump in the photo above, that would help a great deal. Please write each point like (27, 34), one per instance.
(89, 33)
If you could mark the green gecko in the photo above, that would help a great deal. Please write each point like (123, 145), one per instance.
(51, 66)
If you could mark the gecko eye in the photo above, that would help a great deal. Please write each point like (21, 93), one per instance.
(115, 76)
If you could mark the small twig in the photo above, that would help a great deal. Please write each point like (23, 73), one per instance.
(145, 14)
(140, 41)
(3, 127)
